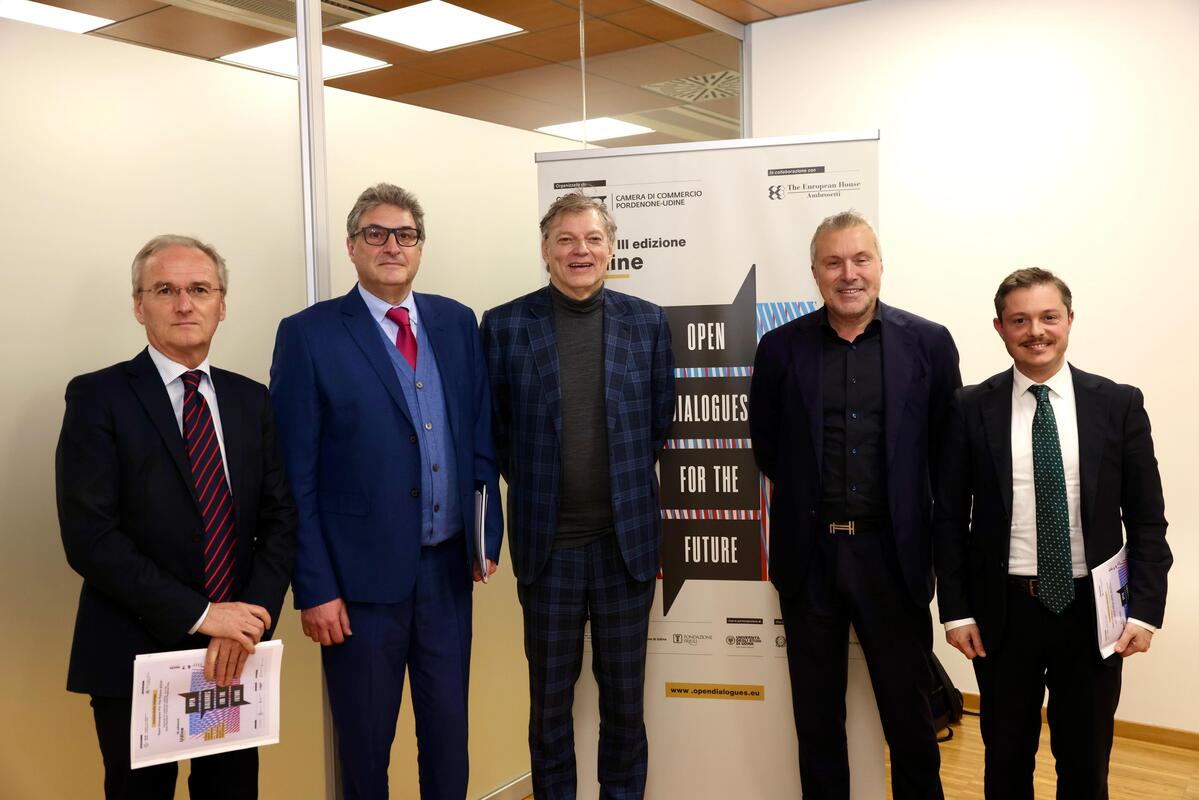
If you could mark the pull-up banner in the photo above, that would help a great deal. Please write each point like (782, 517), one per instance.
(717, 233)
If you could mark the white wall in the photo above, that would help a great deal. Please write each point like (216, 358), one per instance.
(103, 145)
(1054, 133)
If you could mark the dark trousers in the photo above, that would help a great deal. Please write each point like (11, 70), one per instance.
(856, 579)
(225, 776)
(428, 636)
(588, 582)
(1041, 650)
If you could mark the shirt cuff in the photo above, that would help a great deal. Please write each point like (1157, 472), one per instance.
(959, 623)
(1145, 625)
(204, 616)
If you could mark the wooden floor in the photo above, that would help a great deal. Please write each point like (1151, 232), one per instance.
(1138, 769)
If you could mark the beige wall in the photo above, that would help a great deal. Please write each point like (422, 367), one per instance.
(104, 145)
(1056, 133)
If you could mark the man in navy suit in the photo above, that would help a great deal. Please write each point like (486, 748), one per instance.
(845, 407)
(174, 508)
(583, 385)
(1046, 472)
(385, 417)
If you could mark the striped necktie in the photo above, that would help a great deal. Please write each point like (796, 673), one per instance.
(212, 490)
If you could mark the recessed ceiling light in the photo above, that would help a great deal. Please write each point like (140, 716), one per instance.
(50, 16)
(594, 130)
(281, 59)
(432, 25)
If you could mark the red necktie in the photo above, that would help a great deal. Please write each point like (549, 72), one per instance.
(212, 490)
(405, 341)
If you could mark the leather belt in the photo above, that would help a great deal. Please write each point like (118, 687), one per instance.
(853, 527)
(1025, 584)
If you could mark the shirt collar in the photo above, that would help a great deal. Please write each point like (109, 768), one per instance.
(1061, 384)
(170, 370)
(379, 307)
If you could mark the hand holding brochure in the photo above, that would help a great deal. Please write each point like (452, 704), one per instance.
(1110, 580)
(481, 530)
(179, 714)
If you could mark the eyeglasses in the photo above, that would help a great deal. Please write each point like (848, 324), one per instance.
(197, 293)
(376, 235)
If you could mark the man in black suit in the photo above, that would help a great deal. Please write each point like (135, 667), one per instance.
(173, 507)
(1040, 464)
(844, 405)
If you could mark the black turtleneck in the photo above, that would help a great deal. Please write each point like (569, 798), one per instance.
(585, 497)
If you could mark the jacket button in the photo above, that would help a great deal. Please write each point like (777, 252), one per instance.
(811, 512)
(415, 493)
(412, 438)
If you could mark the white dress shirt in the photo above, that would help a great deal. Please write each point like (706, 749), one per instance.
(171, 373)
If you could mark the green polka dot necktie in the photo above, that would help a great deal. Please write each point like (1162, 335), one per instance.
(1055, 573)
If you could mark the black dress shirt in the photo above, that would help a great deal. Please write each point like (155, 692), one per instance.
(855, 474)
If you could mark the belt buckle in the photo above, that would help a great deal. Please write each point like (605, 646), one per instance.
(841, 527)
(1032, 587)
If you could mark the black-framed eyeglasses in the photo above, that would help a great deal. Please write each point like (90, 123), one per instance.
(376, 235)
(197, 292)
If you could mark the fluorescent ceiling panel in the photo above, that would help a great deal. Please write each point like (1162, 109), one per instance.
(596, 129)
(430, 26)
(281, 59)
(50, 16)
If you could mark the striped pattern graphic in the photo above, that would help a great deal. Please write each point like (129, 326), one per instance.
(212, 490)
(707, 444)
(772, 315)
(709, 513)
(713, 372)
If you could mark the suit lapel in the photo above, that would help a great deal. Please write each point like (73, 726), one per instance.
(545, 355)
(810, 382)
(443, 341)
(1090, 408)
(365, 332)
(898, 371)
(996, 406)
(147, 385)
(617, 343)
(233, 431)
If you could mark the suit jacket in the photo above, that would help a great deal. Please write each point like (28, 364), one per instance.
(522, 358)
(352, 451)
(920, 372)
(1118, 477)
(131, 524)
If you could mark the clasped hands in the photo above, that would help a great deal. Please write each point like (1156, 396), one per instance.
(234, 629)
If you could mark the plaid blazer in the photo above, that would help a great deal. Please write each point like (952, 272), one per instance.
(522, 362)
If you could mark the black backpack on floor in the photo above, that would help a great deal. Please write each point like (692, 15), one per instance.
(945, 700)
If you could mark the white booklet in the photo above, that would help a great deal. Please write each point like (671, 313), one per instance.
(178, 714)
(1110, 580)
(481, 530)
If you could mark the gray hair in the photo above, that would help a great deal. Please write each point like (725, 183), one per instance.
(162, 242)
(577, 202)
(386, 194)
(1026, 279)
(843, 221)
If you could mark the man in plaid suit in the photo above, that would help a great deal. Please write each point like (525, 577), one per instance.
(583, 392)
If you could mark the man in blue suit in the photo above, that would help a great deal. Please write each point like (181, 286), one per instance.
(583, 390)
(846, 404)
(384, 409)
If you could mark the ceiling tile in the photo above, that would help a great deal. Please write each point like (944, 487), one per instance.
(532, 15)
(656, 23)
(389, 81)
(739, 10)
(476, 61)
(109, 9)
(485, 103)
(562, 44)
(182, 31)
(781, 8)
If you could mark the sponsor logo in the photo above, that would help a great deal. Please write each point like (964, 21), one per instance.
(780, 641)
(775, 192)
(738, 640)
(716, 691)
(691, 639)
